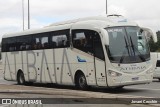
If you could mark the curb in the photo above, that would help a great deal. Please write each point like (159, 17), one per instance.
(55, 91)
(79, 93)
(66, 92)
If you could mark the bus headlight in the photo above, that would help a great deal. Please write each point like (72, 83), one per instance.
(113, 73)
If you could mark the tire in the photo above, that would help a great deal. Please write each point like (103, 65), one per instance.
(159, 79)
(21, 79)
(81, 82)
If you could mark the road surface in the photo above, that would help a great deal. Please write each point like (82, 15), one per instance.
(64, 94)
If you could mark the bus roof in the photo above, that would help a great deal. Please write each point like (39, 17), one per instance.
(97, 21)
(110, 19)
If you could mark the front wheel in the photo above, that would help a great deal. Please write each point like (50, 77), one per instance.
(81, 82)
(21, 79)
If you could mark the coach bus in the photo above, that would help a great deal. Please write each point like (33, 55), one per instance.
(101, 51)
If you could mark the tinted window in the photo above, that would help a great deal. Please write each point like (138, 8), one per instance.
(8, 44)
(60, 39)
(40, 41)
(4, 45)
(83, 40)
(23, 43)
(16, 44)
(98, 49)
(158, 63)
(47, 40)
(88, 41)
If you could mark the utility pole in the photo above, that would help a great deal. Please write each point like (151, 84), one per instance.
(106, 6)
(23, 13)
(28, 15)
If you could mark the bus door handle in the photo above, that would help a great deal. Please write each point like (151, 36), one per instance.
(102, 75)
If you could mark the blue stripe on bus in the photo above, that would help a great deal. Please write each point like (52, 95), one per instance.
(81, 60)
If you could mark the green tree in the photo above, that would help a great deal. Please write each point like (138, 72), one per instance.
(155, 47)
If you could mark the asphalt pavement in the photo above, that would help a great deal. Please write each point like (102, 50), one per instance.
(10, 89)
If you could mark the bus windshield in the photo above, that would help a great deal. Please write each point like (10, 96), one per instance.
(127, 45)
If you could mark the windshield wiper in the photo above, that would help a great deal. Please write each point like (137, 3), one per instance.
(122, 57)
(133, 47)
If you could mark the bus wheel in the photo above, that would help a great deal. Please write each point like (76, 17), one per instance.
(81, 82)
(20, 78)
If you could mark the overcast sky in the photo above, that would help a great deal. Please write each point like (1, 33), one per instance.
(43, 12)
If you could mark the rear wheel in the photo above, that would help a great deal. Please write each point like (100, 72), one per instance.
(81, 82)
(20, 78)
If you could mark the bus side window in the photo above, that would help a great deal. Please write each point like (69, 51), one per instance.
(82, 40)
(40, 41)
(98, 49)
(78, 40)
(23, 43)
(39, 45)
(11, 44)
(23, 47)
(60, 39)
(44, 42)
(4, 45)
(54, 42)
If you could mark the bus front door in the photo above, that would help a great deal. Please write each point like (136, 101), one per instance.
(99, 61)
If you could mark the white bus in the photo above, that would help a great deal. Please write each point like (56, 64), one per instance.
(97, 51)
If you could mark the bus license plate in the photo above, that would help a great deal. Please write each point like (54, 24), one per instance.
(135, 78)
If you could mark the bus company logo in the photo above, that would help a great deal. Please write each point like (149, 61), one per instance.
(80, 60)
(133, 68)
(6, 101)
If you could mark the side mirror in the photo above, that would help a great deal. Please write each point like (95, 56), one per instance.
(154, 36)
(105, 36)
(149, 34)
